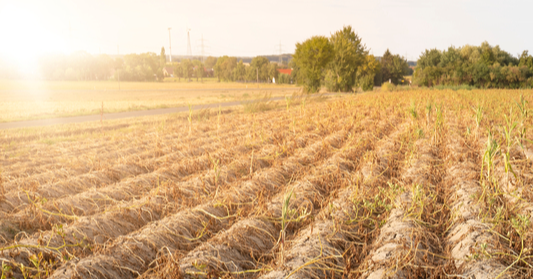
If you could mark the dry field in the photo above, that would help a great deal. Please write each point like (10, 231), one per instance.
(412, 184)
(28, 100)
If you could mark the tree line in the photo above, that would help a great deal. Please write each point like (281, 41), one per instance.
(483, 66)
(260, 70)
(84, 66)
(150, 67)
(342, 62)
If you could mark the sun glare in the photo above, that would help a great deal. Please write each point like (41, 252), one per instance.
(25, 36)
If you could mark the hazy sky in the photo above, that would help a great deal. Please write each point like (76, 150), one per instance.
(249, 28)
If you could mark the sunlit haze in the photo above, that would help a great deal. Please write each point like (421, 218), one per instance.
(30, 28)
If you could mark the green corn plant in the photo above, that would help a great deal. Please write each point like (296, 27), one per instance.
(521, 225)
(288, 102)
(294, 126)
(524, 112)
(412, 110)
(478, 115)
(6, 271)
(429, 107)
(419, 133)
(491, 150)
(523, 106)
(439, 122)
(508, 131)
(417, 194)
(41, 267)
(262, 135)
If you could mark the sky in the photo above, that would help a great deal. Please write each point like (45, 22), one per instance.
(30, 28)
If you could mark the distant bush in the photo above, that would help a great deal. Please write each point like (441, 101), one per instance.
(388, 87)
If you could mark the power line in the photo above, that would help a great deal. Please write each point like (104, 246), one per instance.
(203, 46)
(280, 51)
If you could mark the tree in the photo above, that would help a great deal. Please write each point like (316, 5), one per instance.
(250, 74)
(349, 55)
(210, 62)
(260, 65)
(162, 58)
(393, 67)
(199, 71)
(312, 56)
(160, 75)
(219, 67)
(273, 71)
(480, 66)
(366, 72)
(294, 73)
(224, 67)
(239, 73)
(186, 69)
(526, 60)
(178, 71)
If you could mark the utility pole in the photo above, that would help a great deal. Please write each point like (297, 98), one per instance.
(203, 46)
(169, 47)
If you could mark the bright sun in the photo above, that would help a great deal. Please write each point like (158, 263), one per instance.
(25, 36)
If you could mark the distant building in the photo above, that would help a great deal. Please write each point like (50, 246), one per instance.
(285, 71)
(168, 71)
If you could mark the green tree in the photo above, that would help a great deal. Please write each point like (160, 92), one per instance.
(178, 71)
(349, 55)
(311, 57)
(480, 66)
(393, 67)
(199, 70)
(526, 60)
(294, 73)
(186, 69)
(160, 75)
(239, 73)
(273, 71)
(162, 58)
(260, 65)
(367, 71)
(250, 74)
(210, 62)
(224, 68)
